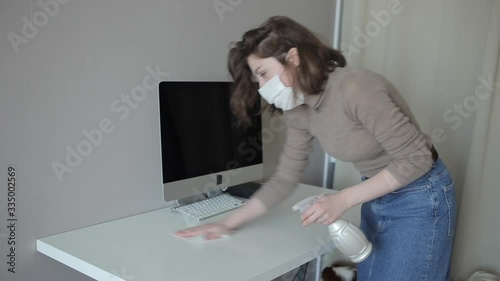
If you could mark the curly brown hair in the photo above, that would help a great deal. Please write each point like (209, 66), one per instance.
(274, 38)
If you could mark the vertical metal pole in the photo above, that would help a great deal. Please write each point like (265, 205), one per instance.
(317, 276)
(328, 167)
(337, 31)
(329, 163)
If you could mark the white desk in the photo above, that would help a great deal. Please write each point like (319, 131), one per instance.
(142, 247)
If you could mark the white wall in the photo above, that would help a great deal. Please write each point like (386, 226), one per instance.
(64, 79)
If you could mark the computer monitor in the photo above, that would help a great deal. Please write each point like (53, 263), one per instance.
(203, 148)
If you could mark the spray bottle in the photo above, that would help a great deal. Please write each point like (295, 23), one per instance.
(347, 237)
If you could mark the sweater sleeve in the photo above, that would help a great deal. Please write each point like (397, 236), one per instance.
(369, 103)
(291, 166)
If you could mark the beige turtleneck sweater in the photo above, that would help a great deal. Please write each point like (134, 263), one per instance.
(360, 118)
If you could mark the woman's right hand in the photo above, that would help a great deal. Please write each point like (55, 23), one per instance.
(210, 231)
(252, 209)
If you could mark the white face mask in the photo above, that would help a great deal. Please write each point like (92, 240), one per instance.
(275, 92)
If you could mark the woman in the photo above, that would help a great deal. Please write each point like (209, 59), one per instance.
(408, 198)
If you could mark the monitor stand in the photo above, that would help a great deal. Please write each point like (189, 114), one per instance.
(244, 190)
(199, 197)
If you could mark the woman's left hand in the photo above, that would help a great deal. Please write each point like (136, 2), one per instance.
(325, 210)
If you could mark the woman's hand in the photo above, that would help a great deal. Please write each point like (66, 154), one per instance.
(325, 210)
(252, 209)
(210, 231)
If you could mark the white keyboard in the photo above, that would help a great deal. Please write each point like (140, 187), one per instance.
(210, 207)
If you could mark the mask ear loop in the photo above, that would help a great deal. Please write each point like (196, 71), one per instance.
(286, 56)
(286, 63)
(295, 90)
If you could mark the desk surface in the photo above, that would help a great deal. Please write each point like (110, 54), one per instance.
(142, 247)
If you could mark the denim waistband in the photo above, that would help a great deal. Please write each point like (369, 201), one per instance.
(437, 171)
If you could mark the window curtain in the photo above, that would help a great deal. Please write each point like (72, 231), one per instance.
(443, 57)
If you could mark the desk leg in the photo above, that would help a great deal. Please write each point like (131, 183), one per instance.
(317, 276)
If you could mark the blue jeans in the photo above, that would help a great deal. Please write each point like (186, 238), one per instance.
(411, 230)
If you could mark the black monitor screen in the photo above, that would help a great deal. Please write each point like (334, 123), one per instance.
(200, 135)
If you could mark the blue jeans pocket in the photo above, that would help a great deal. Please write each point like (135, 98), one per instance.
(411, 188)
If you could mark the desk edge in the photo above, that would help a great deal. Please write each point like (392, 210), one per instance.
(75, 263)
